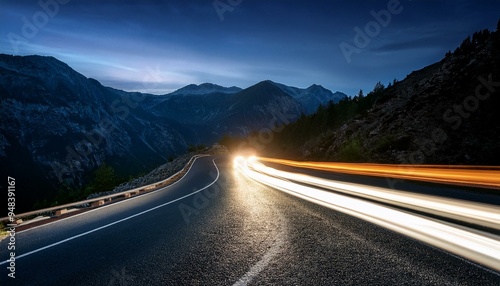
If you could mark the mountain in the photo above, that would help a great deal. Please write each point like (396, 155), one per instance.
(310, 98)
(445, 113)
(238, 113)
(217, 113)
(316, 95)
(59, 126)
(262, 105)
(313, 96)
(204, 88)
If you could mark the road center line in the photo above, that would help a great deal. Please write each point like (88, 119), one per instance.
(118, 221)
(276, 248)
(265, 260)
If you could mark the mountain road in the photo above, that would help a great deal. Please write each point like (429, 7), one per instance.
(219, 226)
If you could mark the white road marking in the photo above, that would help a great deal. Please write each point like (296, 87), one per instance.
(118, 221)
(276, 248)
(113, 204)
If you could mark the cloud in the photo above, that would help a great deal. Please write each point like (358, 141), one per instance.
(293, 42)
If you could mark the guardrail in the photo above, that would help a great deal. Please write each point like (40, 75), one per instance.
(99, 201)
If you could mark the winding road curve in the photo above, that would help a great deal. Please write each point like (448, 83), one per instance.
(217, 227)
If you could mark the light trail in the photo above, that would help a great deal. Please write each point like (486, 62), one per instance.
(478, 246)
(470, 212)
(477, 176)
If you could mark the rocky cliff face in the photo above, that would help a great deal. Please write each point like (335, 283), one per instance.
(58, 125)
(445, 113)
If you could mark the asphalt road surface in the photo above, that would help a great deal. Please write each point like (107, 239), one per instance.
(233, 232)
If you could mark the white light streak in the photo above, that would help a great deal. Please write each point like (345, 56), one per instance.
(475, 245)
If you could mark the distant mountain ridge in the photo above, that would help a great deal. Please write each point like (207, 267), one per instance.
(218, 114)
(310, 98)
(313, 96)
(204, 88)
(58, 126)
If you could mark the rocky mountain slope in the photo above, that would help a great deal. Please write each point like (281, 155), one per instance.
(57, 126)
(446, 113)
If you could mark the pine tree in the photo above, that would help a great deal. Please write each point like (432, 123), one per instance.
(360, 94)
(378, 87)
(105, 178)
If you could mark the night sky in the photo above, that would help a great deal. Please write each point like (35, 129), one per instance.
(160, 46)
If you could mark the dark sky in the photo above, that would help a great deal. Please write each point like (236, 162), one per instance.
(160, 46)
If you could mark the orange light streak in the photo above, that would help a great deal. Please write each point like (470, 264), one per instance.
(475, 176)
(478, 246)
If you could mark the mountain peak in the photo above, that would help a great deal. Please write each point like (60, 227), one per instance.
(311, 97)
(205, 88)
(32, 62)
(316, 87)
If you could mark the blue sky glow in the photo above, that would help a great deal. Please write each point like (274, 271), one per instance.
(159, 46)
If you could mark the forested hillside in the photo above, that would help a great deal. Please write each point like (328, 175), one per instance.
(445, 113)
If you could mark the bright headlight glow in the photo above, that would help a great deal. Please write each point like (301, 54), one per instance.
(238, 160)
(475, 245)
